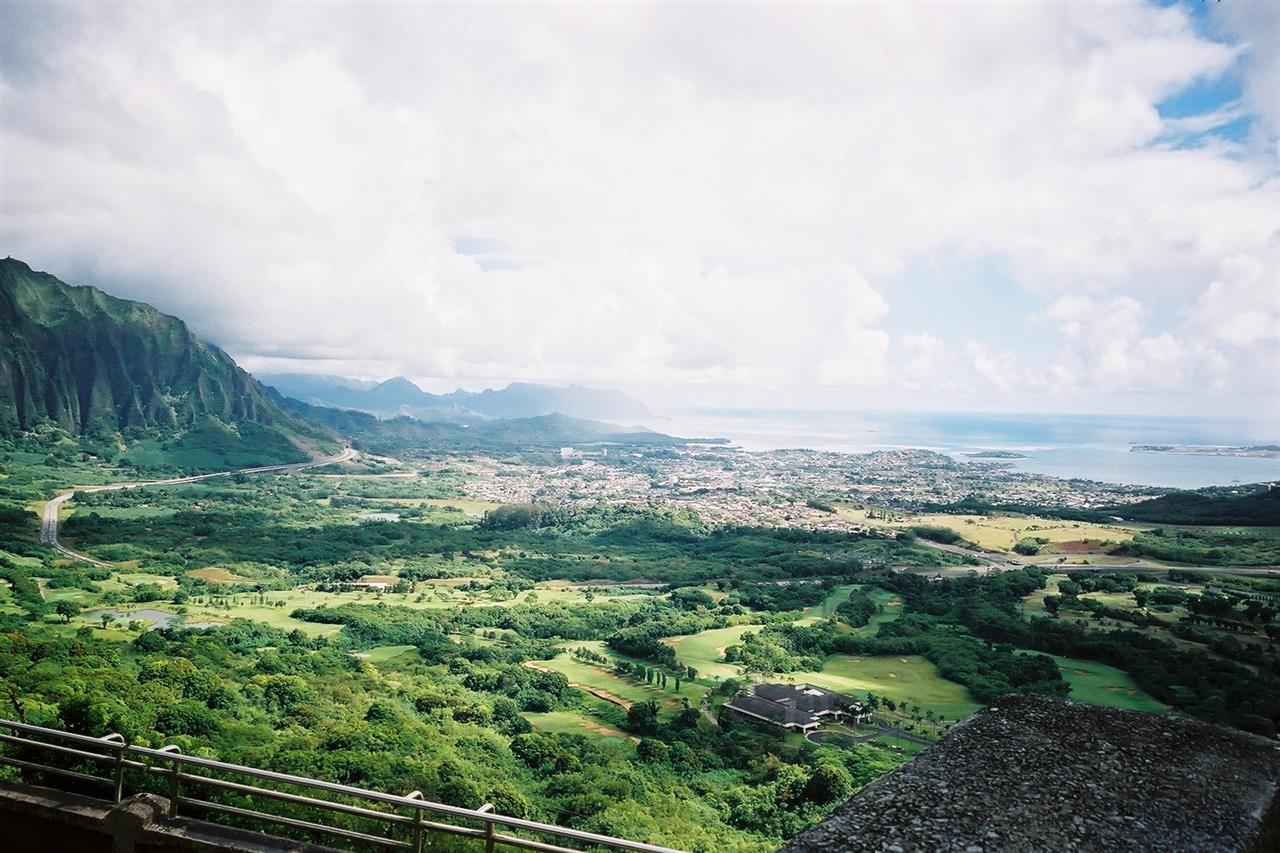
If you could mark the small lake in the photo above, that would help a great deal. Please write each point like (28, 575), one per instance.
(379, 516)
(153, 618)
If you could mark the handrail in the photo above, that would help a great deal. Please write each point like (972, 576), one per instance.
(114, 750)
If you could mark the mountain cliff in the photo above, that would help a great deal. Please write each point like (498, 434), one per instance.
(133, 383)
(136, 385)
(92, 363)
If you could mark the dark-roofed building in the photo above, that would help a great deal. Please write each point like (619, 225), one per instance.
(799, 707)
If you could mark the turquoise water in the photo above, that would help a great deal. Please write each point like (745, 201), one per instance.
(1091, 447)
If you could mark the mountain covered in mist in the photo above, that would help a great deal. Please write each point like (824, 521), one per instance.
(123, 380)
(95, 364)
(398, 396)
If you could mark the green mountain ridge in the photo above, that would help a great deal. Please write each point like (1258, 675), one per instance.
(120, 378)
(90, 362)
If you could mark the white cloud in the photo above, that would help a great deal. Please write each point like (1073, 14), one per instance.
(701, 196)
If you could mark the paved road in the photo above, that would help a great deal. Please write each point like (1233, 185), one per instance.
(49, 516)
(884, 731)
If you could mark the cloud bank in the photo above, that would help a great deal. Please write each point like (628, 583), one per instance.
(705, 203)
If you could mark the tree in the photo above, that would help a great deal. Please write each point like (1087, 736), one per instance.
(68, 610)
(642, 717)
(830, 782)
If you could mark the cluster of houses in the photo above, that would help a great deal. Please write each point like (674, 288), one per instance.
(797, 707)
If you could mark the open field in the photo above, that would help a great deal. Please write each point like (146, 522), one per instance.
(891, 609)
(382, 654)
(1104, 685)
(903, 679)
(213, 574)
(705, 651)
(827, 609)
(1001, 532)
(571, 722)
(1033, 604)
(606, 685)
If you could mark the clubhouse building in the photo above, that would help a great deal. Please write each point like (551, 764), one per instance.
(797, 707)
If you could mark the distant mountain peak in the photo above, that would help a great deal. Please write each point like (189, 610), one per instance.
(400, 396)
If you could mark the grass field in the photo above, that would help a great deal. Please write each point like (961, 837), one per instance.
(214, 574)
(7, 604)
(382, 654)
(1104, 685)
(705, 651)
(1002, 532)
(606, 685)
(906, 747)
(571, 722)
(903, 679)
(891, 608)
(827, 609)
(1033, 604)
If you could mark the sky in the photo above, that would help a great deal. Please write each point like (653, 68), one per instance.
(1043, 207)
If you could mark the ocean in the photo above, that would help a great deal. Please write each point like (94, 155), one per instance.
(1092, 447)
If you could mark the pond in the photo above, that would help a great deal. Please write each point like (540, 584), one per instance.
(379, 516)
(153, 618)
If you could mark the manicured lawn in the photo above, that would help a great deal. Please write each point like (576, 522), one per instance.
(603, 681)
(382, 654)
(1121, 600)
(827, 609)
(902, 679)
(571, 722)
(1033, 604)
(1104, 685)
(705, 651)
(890, 609)
(906, 747)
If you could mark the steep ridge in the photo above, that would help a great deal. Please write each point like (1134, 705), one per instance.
(92, 363)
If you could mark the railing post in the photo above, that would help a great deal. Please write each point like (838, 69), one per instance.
(417, 821)
(489, 828)
(118, 788)
(175, 778)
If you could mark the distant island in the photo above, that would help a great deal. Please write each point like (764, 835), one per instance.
(1267, 451)
(996, 454)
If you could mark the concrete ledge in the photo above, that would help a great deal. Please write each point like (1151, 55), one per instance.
(35, 818)
(1040, 774)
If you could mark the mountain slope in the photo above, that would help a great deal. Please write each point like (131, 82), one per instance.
(91, 362)
(398, 396)
(545, 432)
(137, 386)
(100, 368)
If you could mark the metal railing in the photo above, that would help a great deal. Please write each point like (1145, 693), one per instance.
(405, 819)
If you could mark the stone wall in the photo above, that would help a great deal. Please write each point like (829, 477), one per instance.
(1040, 774)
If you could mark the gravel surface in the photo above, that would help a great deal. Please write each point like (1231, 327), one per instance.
(1040, 774)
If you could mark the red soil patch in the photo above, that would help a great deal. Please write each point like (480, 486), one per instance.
(1079, 546)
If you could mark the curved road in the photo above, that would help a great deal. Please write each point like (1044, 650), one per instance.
(49, 516)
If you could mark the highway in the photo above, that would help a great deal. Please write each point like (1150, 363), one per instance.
(49, 515)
